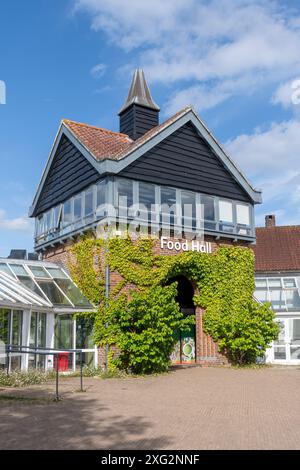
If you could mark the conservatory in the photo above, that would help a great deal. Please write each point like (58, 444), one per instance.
(38, 303)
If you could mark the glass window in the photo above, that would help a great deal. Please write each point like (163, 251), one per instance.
(289, 282)
(225, 211)
(72, 292)
(279, 353)
(30, 284)
(188, 207)
(125, 193)
(277, 299)
(281, 337)
(53, 293)
(47, 221)
(274, 282)
(101, 193)
(18, 269)
(292, 299)
(242, 214)
(37, 339)
(168, 205)
(67, 213)
(208, 207)
(296, 331)
(259, 282)
(5, 326)
(261, 295)
(4, 268)
(38, 271)
(147, 195)
(57, 273)
(57, 216)
(88, 202)
(78, 207)
(167, 196)
(64, 332)
(84, 333)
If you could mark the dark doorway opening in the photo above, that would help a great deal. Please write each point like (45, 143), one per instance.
(185, 348)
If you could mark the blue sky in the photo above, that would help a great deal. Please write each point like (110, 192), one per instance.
(236, 61)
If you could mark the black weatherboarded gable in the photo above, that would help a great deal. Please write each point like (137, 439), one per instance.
(184, 160)
(70, 173)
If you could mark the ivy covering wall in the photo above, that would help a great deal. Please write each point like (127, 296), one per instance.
(224, 281)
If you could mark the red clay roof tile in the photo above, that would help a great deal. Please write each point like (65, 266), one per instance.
(277, 248)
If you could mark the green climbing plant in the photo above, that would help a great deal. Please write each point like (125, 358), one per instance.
(224, 279)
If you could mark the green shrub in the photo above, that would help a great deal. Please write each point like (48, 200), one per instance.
(146, 326)
(243, 335)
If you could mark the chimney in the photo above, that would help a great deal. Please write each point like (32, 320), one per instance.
(270, 220)
(139, 113)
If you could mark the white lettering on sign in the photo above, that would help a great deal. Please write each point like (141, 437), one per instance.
(194, 245)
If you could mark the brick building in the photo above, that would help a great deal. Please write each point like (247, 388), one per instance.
(172, 180)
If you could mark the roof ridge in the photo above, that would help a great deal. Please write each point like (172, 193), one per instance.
(153, 131)
(108, 131)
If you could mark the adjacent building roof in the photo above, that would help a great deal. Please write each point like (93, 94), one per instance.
(277, 249)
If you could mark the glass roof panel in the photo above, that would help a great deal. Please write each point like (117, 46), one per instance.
(57, 273)
(18, 269)
(28, 282)
(38, 271)
(4, 268)
(53, 293)
(72, 292)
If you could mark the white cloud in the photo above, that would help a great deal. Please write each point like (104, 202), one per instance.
(227, 41)
(98, 70)
(271, 159)
(20, 224)
(288, 94)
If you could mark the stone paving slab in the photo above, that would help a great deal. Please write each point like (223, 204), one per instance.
(191, 408)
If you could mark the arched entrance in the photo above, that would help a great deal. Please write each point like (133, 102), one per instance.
(185, 348)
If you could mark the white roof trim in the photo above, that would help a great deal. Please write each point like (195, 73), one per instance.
(115, 166)
(188, 116)
(63, 130)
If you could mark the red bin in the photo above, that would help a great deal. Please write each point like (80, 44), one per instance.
(63, 362)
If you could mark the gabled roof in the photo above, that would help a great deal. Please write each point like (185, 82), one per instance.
(111, 152)
(101, 142)
(277, 248)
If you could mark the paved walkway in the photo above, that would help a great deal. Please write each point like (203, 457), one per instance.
(194, 408)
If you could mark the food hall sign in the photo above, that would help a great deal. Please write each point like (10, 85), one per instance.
(186, 245)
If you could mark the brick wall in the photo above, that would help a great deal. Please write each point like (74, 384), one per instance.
(206, 349)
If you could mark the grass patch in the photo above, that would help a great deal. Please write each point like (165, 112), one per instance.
(18, 378)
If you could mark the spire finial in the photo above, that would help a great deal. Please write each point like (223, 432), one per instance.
(139, 93)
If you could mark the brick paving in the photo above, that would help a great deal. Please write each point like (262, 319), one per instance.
(191, 408)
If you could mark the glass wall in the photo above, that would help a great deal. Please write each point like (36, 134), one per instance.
(11, 333)
(175, 206)
(282, 292)
(75, 333)
(37, 339)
